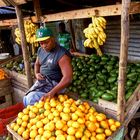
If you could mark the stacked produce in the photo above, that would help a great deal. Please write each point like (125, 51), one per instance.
(18, 65)
(96, 77)
(30, 30)
(63, 118)
(3, 74)
(95, 34)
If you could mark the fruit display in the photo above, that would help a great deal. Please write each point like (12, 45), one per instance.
(18, 65)
(95, 34)
(96, 77)
(63, 118)
(3, 74)
(30, 30)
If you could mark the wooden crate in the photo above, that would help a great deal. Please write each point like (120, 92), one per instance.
(112, 107)
(117, 135)
(5, 93)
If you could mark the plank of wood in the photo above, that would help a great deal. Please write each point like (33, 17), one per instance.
(107, 104)
(110, 10)
(123, 59)
(18, 137)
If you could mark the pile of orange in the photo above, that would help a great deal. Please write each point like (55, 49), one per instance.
(63, 118)
(3, 75)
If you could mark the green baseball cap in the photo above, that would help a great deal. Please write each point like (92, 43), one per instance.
(43, 34)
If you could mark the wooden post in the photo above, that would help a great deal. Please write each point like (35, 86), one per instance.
(123, 59)
(72, 34)
(24, 46)
(37, 10)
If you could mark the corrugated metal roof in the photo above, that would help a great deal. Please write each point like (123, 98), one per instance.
(6, 11)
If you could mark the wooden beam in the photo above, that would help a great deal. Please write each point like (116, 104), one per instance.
(25, 51)
(37, 10)
(123, 59)
(111, 10)
(2, 3)
(18, 2)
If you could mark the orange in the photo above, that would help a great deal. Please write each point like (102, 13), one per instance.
(99, 130)
(65, 128)
(93, 138)
(86, 105)
(65, 117)
(58, 132)
(79, 113)
(52, 138)
(51, 126)
(66, 110)
(12, 125)
(100, 137)
(45, 121)
(29, 125)
(81, 120)
(20, 115)
(104, 124)
(47, 134)
(25, 135)
(32, 115)
(71, 131)
(16, 127)
(69, 137)
(47, 112)
(35, 110)
(41, 131)
(39, 124)
(40, 104)
(82, 107)
(92, 118)
(92, 110)
(78, 134)
(111, 122)
(113, 127)
(97, 124)
(38, 137)
(65, 96)
(60, 137)
(25, 118)
(118, 124)
(61, 98)
(87, 133)
(50, 116)
(47, 106)
(25, 111)
(56, 113)
(33, 127)
(75, 125)
(20, 130)
(56, 119)
(67, 104)
(85, 138)
(108, 132)
(59, 107)
(73, 108)
(19, 121)
(69, 123)
(59, 124)
(91, 127)
(33, 134)
(74, 116)
(53, 103)
(24, 124)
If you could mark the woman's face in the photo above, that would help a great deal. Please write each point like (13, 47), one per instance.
(48, 44)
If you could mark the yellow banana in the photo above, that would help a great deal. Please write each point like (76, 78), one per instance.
(103, 34)
(100, 36)
(96, 30)
(103, 20)
(87, 42)
(100, 42)
(100, 29)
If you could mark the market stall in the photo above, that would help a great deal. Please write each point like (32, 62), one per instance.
(123, 111)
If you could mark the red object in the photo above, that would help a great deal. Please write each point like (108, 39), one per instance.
(7, 115)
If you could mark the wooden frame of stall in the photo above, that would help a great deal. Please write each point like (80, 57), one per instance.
(123, 9)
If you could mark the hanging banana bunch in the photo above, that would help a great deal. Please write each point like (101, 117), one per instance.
(30, 30)
(95, 34)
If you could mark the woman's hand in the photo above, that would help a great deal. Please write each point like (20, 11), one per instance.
(39, 76)
(47, 95)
